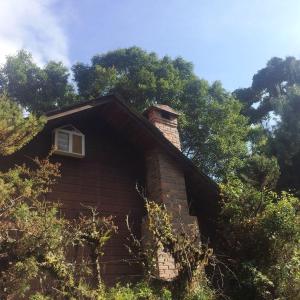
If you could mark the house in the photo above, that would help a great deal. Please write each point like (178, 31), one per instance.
(106, 149)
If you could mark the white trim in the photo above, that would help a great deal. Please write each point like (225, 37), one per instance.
(70, 134)
(69, 112)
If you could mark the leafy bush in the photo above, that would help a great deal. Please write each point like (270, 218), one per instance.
(260, 234)
(201, 293)
(140, 291)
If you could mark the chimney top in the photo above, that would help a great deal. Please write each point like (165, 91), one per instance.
(163, 108)
(165, 119)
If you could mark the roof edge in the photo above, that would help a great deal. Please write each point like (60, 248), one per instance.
(82, 105)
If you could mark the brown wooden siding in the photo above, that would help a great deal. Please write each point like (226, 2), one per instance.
(105, 178)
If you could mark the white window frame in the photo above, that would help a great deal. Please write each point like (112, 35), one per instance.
(71, 133)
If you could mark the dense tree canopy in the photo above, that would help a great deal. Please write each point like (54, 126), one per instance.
(140, 77)
(285, 143)
(36, 89)
(275, 91)
(268, 86)
(15, 131)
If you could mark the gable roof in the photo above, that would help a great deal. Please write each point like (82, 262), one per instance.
(129, 122)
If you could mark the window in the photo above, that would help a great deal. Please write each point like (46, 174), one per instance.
(69, 141)
(63, 141)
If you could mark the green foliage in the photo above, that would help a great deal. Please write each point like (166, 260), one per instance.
(15, 131)
(94, 231)
(286, 140)
(275, 91)
(144, 291)
(140, 77)
(261, 171)
(36, 89)
(201, 293)
(39, 296)
(215, 133)
(139, 291)
(261, 235)
(121, 293)
(268, 86)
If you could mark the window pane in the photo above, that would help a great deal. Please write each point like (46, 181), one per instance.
(77, 144)
(63, 141)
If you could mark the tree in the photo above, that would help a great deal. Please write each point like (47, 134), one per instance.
(34, 88)
(268, 86)
(15, 131)
(275, 90)
(285, 143)
(140, 77)
(214, 133)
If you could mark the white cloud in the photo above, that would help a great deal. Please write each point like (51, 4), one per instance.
(35, 26)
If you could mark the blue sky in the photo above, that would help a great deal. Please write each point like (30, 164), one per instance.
(225, 40)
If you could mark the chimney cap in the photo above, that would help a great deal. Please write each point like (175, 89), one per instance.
(161, 107)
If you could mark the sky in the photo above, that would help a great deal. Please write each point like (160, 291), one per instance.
(226, 40)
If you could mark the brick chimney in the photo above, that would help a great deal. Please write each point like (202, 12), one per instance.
(165, 181)
(165, 119)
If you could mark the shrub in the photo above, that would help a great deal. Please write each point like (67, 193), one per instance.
(260, 234)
